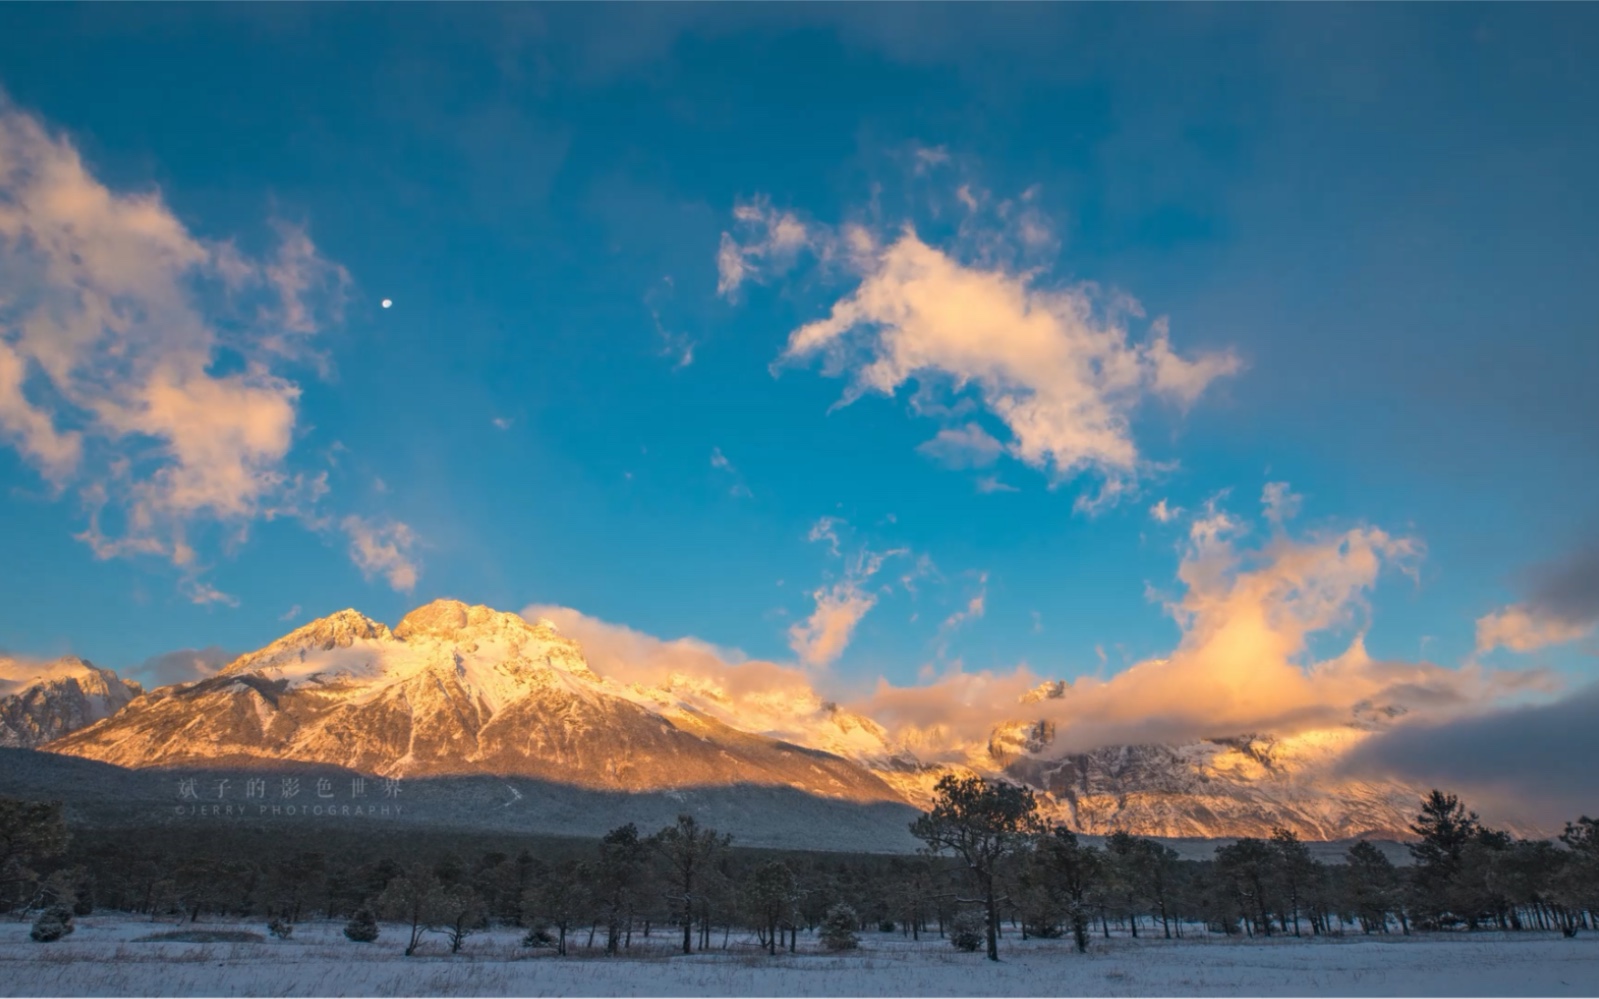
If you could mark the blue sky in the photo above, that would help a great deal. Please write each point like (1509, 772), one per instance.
(1383, 216)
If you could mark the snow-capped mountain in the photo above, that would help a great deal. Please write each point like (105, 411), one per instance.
(454, 690)
(1222, 788)
(1219, 787)
(451, 690)
(44, 701)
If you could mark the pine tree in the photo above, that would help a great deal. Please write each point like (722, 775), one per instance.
(1077, 873)
(984, 823)
(1248, 868)
(1374, 888)
(1297, 872)
(770, 896)
(838, 928)
(618, 874)
(689, 850)
(362, 927)
(1443, 830)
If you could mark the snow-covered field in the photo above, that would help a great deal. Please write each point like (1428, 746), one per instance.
(106, 958)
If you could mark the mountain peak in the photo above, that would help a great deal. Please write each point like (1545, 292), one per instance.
(451, 620)
(42, 701)
(441, 619)
(338, 630)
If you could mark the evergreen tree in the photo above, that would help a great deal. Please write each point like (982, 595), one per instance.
(30, 831)
(1574, 887)
(1127, 876)
(557, 897)
(362, 927)
(1443, 828)
(689, 851)
(838, 928)
(1297, 872)
(1077, 873)
(770, 897)
(52, 924)
(618, 876)
(1373, 887)
(1248, 868)
(414, 898)
(984, 823)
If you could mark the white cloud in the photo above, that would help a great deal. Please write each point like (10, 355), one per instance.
(1164, 513)
(383, 549)
(1561, 605)
(825, 529)
(993, 484)
(502, 422)
(974, 609)
(138, 361)
(1524, 628)
(928, 157)
(773, 240)
(1280, 504)
(824, 635)
(204, 594)
(738, 489)
(679, 346)
(290, 614)
(969, 446)
(1056, 365)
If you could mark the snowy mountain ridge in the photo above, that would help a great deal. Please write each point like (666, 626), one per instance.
(451, 689)
(44, 701)
(454, 689)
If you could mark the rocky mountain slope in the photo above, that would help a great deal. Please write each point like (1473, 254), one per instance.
(454, 690)
(41, 702)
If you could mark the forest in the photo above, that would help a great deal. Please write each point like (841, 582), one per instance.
(990, 869)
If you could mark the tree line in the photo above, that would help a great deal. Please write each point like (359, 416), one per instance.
(991, 867)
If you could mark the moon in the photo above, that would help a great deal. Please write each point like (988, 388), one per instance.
(388, 302)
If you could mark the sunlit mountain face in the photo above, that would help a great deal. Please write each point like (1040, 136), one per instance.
(1188, 415)
(456, 690)
(41, 702)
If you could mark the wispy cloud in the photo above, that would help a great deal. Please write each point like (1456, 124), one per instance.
(825, 529)
(203, 593)
(968, 446)
(1165, 513)
(383, 548)
(974, 609)
(674, 344)
(738, 489)
(839, 607)
(769, 243)
(993, 484)
(1279, 502)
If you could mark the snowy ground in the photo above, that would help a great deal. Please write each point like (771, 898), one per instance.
(106, 958)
